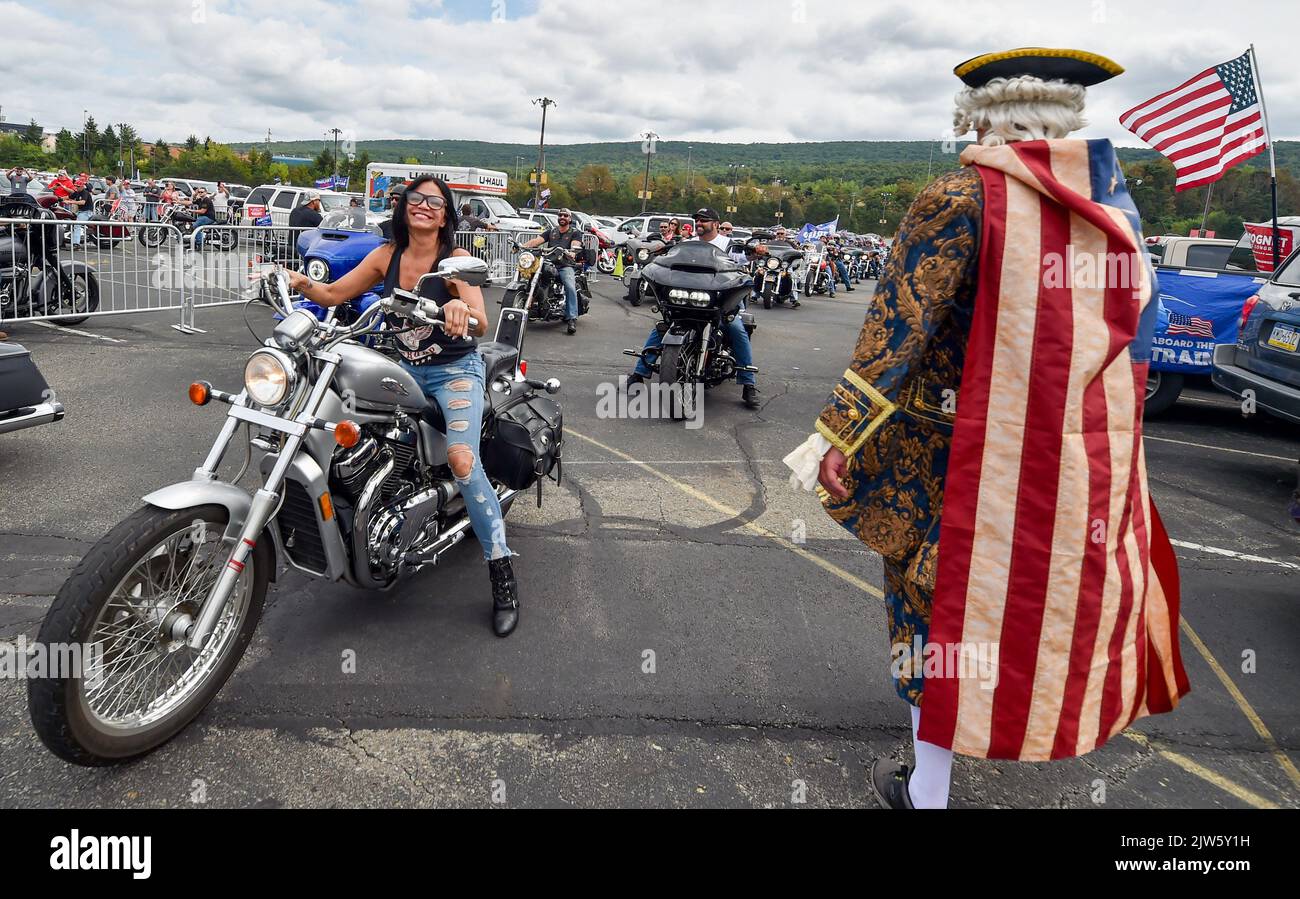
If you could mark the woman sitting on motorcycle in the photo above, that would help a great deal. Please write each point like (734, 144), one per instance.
(444, 361)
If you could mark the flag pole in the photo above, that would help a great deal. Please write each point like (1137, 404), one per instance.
(1272, 162)
(1209, 189)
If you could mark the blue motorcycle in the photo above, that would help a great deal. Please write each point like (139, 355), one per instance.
(327, 255)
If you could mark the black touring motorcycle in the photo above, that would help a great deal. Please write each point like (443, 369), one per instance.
(537, 286)
(34, 281)
(698, 289)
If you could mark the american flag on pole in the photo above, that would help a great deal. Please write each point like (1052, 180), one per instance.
(1207, 124)
(1050, 549)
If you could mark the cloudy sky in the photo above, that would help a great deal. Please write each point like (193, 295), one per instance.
(743, 70)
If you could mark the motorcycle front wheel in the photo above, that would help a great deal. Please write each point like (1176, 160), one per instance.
(153, 237)
(673, 371)
(138, 683)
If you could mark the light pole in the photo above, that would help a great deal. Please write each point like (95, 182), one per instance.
(687, 192)
(541, 152)
(735, 167)
(334, 181)
(518, 160)
(780, 200)
(436, 155)
(648, 139)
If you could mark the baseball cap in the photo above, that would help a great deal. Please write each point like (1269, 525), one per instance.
(706, 215)
(310, 195)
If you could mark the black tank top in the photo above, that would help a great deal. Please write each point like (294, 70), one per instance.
(426, 344)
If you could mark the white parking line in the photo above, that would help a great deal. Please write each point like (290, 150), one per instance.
(1232, 554)
(54, 327)
(1223, 449)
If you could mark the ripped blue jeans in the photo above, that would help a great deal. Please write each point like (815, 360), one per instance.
(457, 387)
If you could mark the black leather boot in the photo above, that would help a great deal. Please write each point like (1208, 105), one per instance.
(505, 597)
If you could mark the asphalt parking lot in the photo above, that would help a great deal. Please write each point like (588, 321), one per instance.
(770, 659)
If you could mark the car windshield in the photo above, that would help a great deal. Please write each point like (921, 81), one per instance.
(499, 207)
(333, 201)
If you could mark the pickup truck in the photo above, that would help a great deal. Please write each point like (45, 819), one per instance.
(1202, 289)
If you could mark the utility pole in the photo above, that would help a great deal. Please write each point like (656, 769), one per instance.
(85, 142)
(648, 139)
(541, 152)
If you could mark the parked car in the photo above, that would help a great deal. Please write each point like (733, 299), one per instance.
(1265, 360)
(278, 200)
(26, 400)
(640, 226)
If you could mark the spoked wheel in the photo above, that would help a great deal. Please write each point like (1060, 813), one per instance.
(153, 237)
(674, 370)
(78, 294)
(125, 605)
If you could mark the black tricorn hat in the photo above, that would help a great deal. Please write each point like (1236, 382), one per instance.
(1072, 66)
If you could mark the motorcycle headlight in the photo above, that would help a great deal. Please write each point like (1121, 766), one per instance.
(527, 264)
(642, 256)
(691, 297)
(269, 377)
(773, 264)
(318, 270)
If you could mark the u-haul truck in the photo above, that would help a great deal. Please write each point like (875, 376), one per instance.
(483, 189)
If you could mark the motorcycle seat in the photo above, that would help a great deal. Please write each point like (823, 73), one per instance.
(498, 360)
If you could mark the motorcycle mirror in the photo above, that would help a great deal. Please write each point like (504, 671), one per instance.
(469, 269)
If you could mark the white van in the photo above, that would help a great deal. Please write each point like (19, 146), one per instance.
(483, 189)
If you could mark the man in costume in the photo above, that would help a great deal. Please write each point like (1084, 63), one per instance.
(986, 440)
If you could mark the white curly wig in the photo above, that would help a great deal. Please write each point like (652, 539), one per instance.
(1020, 108)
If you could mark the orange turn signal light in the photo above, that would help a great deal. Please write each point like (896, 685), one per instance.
(200, 393)
(347, 433)
(326, 507)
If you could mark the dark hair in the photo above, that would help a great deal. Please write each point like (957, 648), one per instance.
(446, 234)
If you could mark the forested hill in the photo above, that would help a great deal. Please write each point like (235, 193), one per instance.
(867, 162)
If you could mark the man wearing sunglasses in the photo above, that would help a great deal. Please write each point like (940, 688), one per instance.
(706, 229)
(563, 235)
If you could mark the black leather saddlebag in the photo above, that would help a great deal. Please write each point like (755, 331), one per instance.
(527, 442)
(21, 384)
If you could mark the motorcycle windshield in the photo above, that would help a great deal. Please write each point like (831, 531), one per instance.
(696, 265)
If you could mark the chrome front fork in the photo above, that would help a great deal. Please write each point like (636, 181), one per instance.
(266, 500)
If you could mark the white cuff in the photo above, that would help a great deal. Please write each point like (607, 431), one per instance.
(806, 461)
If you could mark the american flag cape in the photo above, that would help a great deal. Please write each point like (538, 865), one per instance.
(1050, 550)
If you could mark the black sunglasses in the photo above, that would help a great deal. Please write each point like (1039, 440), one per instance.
(433, 201)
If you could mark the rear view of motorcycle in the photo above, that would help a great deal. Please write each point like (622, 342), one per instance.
(779, 271)
(354, 490)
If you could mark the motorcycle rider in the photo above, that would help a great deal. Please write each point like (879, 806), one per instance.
(835, 257)
(562, 235)
(706, 229)
(782, 238)
(447, 367)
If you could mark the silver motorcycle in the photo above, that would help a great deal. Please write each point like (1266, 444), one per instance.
(355, 488)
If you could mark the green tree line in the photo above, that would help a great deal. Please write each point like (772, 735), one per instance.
(867, 184)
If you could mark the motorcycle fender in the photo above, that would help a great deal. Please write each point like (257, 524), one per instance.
(71, 268)
(306, 472)
(187, 494)
(671, 339)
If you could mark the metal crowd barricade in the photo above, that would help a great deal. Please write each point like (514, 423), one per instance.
(76, 269)
(496, 248)
(219, 270)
